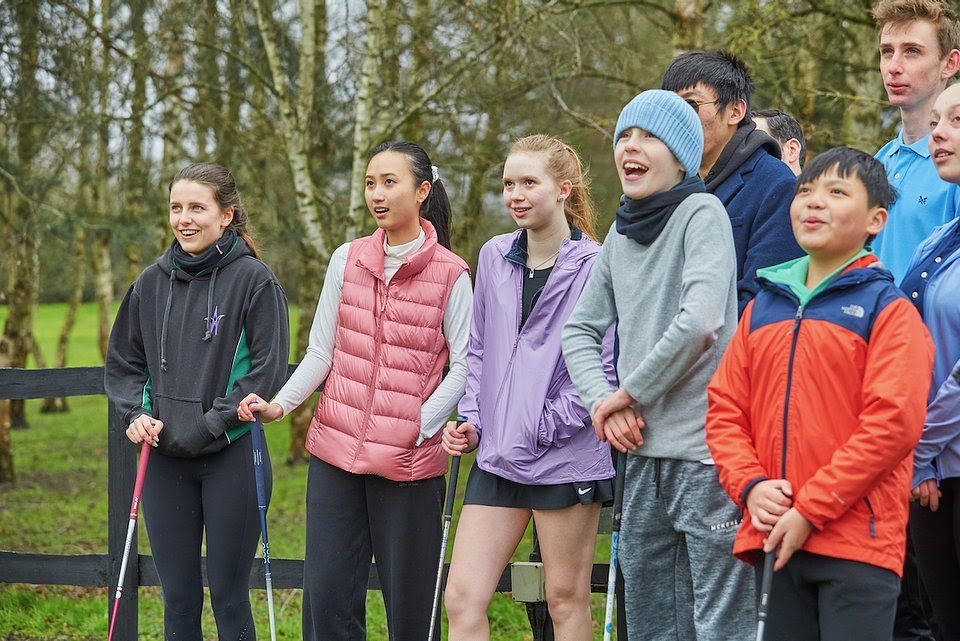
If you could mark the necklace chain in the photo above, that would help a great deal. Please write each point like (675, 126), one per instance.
(536, 267)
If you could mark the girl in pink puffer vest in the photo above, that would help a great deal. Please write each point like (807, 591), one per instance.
(395, 307)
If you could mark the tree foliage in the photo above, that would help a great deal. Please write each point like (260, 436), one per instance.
(101, 102)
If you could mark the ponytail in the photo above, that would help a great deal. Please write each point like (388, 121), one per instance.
(436, 208)
(563, 163)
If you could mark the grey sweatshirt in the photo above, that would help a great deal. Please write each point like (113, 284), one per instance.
(676, 304)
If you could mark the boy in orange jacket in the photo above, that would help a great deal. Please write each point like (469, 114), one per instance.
(815, 410)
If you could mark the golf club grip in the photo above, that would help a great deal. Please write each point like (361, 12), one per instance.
(451, 488)
(765, 584)
(141, 474)
(258, 459)
(618, 483)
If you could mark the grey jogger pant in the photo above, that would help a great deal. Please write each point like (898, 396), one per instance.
(676, 551)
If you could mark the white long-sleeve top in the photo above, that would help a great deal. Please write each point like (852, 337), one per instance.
(316, 363)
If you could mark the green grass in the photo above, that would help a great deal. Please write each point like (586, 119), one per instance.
(59, 505)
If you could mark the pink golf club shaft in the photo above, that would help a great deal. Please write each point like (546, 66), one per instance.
(131, 528)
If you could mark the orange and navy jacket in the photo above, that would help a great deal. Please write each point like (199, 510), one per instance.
(829, 394)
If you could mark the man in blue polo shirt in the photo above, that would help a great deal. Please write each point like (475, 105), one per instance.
(918, 55)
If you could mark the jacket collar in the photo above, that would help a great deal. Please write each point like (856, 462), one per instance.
(790, 277)
(920, 147)
(371, 255)
(514, 248)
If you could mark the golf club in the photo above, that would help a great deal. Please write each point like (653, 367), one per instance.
(262, 505)
(447, 517)
(131, 528)
(768, 560)
(614, 543)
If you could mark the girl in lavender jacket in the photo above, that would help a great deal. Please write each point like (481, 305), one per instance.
(537, 449)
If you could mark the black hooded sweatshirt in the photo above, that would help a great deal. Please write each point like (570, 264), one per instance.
(189, 344)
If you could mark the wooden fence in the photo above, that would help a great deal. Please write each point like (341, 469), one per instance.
(101, 570)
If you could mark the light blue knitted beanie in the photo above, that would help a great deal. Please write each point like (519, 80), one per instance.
(669, 118)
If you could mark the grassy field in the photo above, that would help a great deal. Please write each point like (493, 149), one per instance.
(59, 505)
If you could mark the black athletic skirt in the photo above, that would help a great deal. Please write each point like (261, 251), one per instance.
(484, 488)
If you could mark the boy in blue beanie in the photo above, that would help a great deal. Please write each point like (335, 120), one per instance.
(667, 271)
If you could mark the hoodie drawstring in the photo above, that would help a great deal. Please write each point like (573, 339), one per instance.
(209, 317)
(166, 318)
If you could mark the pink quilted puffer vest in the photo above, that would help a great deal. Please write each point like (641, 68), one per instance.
(388, 357)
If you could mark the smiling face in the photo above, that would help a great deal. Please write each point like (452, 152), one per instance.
(944, 141)
(530, 193)
(393, 195)
(195, 216)
(645, 165)
(832, 218)
(911, 63)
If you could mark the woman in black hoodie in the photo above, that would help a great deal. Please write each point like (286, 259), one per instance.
(200, 329)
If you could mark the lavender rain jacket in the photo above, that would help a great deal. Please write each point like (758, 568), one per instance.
(534, 428)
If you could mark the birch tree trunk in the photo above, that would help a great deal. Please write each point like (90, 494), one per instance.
(297, 110)
(688, 35)
(172, 118)
(102, 262)
(137, 203)
(363, 116)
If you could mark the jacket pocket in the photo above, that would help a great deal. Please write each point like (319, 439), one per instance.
(185, 434)
(873, 517)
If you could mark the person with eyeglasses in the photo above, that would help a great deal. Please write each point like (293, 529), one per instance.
(740, 164)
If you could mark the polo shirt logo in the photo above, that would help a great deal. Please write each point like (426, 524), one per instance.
(922, 201)
(853, 310)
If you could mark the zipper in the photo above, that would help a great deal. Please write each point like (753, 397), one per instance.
(378, 338)
(873, 520)
(516, 339)
(786, 404)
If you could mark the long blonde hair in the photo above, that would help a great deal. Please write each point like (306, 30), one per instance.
(563, 163)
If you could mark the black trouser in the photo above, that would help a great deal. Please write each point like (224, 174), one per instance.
(936, 538)
(819, 598)
(181, 499)
(914, 620)
(351, 517)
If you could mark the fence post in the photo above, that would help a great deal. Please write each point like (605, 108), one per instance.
(121, 475)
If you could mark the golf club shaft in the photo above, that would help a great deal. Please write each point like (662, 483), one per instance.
(131, 528)
(262, 506)
(765, 584)
(447, 517)
(614, 544)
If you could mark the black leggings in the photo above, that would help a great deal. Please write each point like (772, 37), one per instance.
(181, 499)
(351, 516)
(936, 538)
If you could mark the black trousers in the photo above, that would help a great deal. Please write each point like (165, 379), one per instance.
(182, 498)
(351, 517)
(819, 598)
(936, 538)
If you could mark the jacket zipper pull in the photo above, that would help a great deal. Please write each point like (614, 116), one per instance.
(386, 295)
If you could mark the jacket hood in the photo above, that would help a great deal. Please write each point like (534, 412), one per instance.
(168, 265)
(746, 140)
(167, 261)
(792, 275)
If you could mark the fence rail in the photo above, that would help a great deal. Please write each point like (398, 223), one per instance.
(101, 570)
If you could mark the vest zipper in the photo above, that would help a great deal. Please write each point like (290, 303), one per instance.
(377, 340)
(786, 404)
